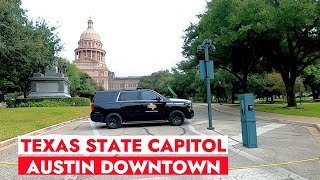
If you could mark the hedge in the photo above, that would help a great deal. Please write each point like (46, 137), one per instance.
(51, 102)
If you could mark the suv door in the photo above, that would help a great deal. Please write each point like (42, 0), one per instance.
(130, 105)
(153, 105)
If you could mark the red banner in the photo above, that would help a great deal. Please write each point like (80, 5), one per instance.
(123, 165)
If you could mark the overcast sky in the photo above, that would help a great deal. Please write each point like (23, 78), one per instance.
(139, 36)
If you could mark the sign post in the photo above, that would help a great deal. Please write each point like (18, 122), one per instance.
(207, 73)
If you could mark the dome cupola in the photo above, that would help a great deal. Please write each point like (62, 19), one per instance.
(90, 33)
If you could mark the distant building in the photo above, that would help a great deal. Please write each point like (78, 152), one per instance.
(90, 58)
(120, 83)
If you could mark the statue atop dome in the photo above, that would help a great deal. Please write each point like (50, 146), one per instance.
(90, 23)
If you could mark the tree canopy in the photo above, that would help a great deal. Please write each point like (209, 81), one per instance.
(253, 36)
(26, 47)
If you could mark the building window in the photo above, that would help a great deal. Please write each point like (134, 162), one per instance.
(101, 82)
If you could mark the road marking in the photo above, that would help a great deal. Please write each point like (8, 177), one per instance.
(94, 128)
(199, 122)
(260, 130)
(9, 163)
(195, 131)
(238, 139)
(96, 133)
(276, 164)
(153, 178)
(252, 157)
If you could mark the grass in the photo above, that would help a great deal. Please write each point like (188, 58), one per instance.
(306, 109)
(18, 121)
(282, 101)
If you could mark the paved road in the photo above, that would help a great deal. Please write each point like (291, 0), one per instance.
(277, 143)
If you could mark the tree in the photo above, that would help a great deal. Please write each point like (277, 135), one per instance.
(25, 47)
(295, 39)
(257, 83)
(238, 49)
(274, 86)
(251, 35)
(81, 84)
(311, 77)
(156, 81)
(228, 87)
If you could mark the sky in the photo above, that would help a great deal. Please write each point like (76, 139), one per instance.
(139, 36)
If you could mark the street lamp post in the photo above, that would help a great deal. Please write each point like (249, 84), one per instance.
(299, 82)
(207, 46)
(220, 92)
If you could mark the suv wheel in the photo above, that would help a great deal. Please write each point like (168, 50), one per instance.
(114, 121)
(176, 118)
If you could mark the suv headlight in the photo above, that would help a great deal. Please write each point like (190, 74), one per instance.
(188, 105)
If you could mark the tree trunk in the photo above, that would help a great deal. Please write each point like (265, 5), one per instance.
(291, 98)
(289, 80)
(25, 93)
(315, 92)
(232, 96)
(244, 84)
(228, 97)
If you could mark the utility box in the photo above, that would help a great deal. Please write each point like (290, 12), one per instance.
(248, 120)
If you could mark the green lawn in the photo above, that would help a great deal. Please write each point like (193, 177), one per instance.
(18, 121)
(282, 101)
(306, 109)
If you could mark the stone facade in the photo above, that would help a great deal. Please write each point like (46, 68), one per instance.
(120, 83)
(90, 58)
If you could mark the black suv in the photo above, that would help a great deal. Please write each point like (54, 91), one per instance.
(116, 107)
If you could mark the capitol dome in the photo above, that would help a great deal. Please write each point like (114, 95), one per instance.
(90, 33)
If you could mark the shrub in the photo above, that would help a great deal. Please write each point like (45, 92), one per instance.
(11, 99)
(52, 102)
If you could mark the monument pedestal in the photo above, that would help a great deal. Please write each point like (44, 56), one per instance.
(50, 85)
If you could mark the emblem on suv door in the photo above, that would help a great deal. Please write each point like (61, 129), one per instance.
(152, 106)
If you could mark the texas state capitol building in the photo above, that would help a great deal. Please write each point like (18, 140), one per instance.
(90, 58)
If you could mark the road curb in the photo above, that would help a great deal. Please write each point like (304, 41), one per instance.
(39, 131)
(285, 121)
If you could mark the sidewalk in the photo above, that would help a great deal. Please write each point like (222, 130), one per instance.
(282, 118)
